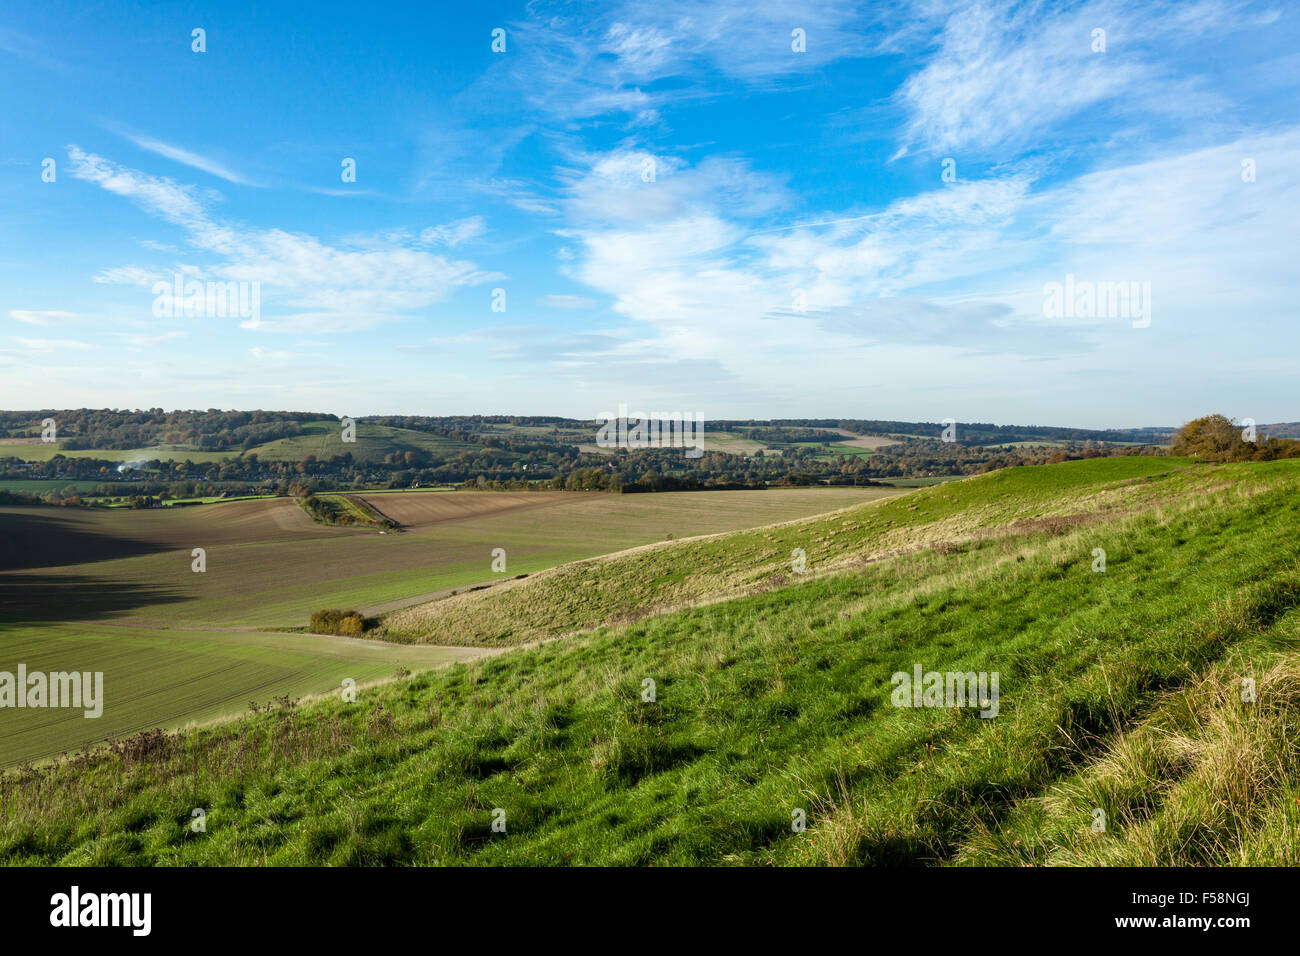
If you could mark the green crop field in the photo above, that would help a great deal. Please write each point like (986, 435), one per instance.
(846, 451)
(1121, 690)
(324, 439)
(172, 678)
(734, 444)
(38, 486)
(112, 589)
(41, 451)
(571, 432)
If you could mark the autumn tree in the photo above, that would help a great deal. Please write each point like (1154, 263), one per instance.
(1214, 438)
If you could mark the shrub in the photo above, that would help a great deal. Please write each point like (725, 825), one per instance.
(344, 623)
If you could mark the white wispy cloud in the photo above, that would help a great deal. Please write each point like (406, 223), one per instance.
(578, 65)
(156, 195)
(314, 285)
(455, 233)
(52, 345)
(567, 302)
(188, 158)
(960, 267)
(30, 49)
(130, 275)
(42, 316)
(138, 341)
(1005, 72)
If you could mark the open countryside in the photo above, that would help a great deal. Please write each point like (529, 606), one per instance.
(115, 588)
(579, 441)
(1117, 686)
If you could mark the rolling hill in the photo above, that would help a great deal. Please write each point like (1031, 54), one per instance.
(114, 590)
(323, 440)
(1122, 691)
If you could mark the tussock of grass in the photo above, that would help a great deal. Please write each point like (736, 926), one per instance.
(1207, 780)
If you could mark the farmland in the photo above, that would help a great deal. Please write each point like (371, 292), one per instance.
(196, 454)
(324, 439)
(269, 565)
(39, 485)
(1120, 691)
(177, 677)
(114, 590)
(37, 450)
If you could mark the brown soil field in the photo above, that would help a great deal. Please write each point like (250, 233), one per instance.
(417, 510)
(269, 565)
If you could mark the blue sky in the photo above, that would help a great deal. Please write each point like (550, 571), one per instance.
(684, 212)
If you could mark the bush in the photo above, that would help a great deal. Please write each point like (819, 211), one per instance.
(1214, 437)
(344, 623)
(1218, 438)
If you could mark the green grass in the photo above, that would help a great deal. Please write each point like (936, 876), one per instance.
(85, 583)
(324, 439)
(922, 482)
(40, 451)
(208, 500)
(622, 587)
(1117, 690)
(337, 509)
(268, 565)
(848, 451)
(156, 678)
(38, 486)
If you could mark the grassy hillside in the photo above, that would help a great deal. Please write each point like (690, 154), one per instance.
(156, 678)
(1120, 691)
(115, 590)
(628, 586)
(269, 565)
(40, 451)
(324, 439)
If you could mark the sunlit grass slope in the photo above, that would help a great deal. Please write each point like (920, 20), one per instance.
(670, 575)
(1120, 691)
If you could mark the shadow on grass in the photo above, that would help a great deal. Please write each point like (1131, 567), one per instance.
(52, 598)
(29, 539)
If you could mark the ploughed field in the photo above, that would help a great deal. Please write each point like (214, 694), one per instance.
(113, 590)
